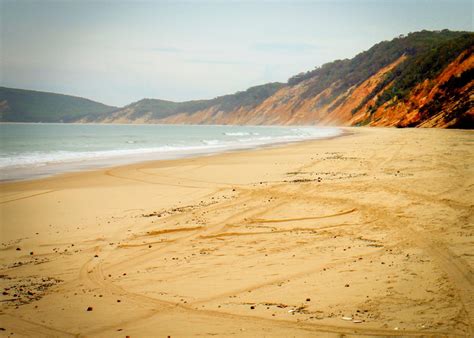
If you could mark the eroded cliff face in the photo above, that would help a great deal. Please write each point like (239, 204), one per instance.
(443, 102)
(439, 102)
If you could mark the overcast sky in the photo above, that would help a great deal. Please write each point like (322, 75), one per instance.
(117, 52)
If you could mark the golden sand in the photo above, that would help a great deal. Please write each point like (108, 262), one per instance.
(368, 233)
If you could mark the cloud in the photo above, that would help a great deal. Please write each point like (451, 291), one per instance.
(288, 47)
(166, 50)
(217, 62)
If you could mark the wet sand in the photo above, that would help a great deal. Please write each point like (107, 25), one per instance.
(370, 233)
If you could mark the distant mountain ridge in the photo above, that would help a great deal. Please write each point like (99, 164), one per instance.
(424, 79)
(20, 105)
(148, 110)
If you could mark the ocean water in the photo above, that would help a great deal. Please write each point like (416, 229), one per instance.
(34, 150)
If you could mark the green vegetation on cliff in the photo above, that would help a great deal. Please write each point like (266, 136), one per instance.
(427, 54)
(425, 65)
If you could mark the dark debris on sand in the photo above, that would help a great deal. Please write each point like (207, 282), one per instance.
(24, 290)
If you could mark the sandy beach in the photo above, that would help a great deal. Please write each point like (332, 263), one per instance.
(370, 233)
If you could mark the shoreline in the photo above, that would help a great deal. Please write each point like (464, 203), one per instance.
(366, 234)
(58, 168)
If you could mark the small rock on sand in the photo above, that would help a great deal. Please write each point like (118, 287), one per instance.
(89, 308)
(346, 318)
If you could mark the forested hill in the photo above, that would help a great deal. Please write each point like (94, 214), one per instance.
(424, 79)
(152, 110)
(19, 105)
